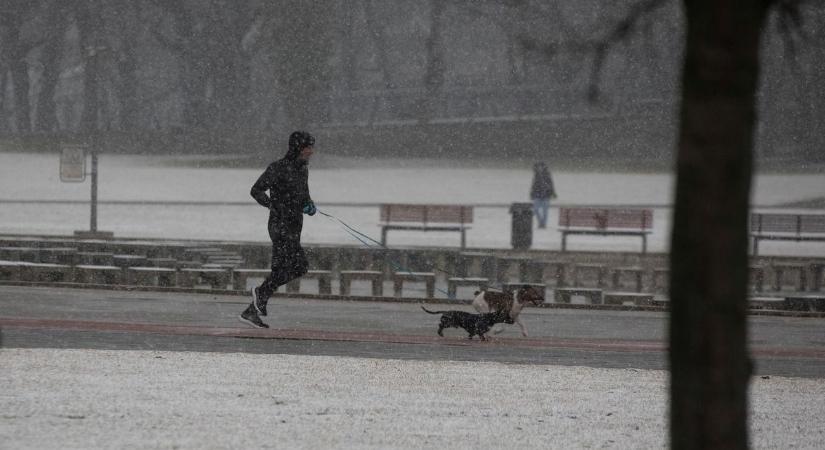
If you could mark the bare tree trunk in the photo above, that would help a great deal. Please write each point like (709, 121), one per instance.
(46, 118)
(3, 119)
(127, 66)
(89, 24)
(349, 50)
(709, 362)
(123, 22)
(434, 74)
(379, 39)
(303, 43)
(16, 52)
(22, 109)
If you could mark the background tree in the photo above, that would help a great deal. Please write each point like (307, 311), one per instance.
(51, 57)
(301, 42)
(15, 49)
(214, 67)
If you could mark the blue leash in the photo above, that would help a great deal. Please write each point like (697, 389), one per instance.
(361, 237)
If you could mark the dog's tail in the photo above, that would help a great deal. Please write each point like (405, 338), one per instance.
(432, 312)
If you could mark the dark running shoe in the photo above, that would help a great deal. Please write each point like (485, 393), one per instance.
(249, 316)
(260, 306)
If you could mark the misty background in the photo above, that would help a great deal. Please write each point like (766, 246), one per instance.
(510, 79)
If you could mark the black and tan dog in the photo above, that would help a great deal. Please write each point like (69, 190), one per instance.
(474, 324)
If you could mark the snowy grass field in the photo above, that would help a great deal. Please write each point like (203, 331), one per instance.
(347, 189)
(59, 399)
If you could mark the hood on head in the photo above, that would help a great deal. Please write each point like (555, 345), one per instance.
(297, 141)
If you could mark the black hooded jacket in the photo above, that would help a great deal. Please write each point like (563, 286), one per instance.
(542, 187)
(285, 180)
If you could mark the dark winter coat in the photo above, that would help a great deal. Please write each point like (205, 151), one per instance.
(542, 187)
(285, 180)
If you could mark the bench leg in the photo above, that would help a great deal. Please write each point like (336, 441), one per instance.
(757, 277)
(563, 241)
(816, 277)
(294, 286)
(777, 284)
(324, 286)
(431, 288)
(451, 289)
(463, 240)
(560, 281)
(219, 281)
(398, 286)
(167, 279)
(187, 279)
(644, 244)
(377, 288)
(239, 282)
(383, 236)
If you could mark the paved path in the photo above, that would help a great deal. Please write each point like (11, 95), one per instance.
(101, 319)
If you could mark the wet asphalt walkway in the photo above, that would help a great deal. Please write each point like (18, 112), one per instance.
(52, 317)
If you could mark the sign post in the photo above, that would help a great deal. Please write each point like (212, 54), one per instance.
(73, 170)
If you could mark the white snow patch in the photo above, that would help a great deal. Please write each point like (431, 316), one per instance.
(52, 399)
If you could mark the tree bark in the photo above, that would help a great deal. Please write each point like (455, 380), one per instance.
(46, 117)
(709, 362)
(434, 70)
(3, 119)
(18, 74)
(89, 24)
(303, 44)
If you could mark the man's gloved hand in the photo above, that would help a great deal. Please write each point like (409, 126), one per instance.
(310, 209)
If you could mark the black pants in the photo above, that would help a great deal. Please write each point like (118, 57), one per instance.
(288, 262)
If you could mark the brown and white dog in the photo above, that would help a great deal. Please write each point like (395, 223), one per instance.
(491, 301)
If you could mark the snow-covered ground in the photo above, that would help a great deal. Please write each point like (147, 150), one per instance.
(141, 399)
(58, 399)
(335, 185)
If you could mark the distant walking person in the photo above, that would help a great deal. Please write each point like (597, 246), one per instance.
(287, 199)
(541, 192)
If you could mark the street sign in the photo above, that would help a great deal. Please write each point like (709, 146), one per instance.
(73, 163)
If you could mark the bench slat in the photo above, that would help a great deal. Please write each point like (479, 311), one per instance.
(787, 223)
(426, 213)
(603, 218)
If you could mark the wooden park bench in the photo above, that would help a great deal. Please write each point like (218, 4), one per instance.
(425, 218)
(786, 227)
(605, 222)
